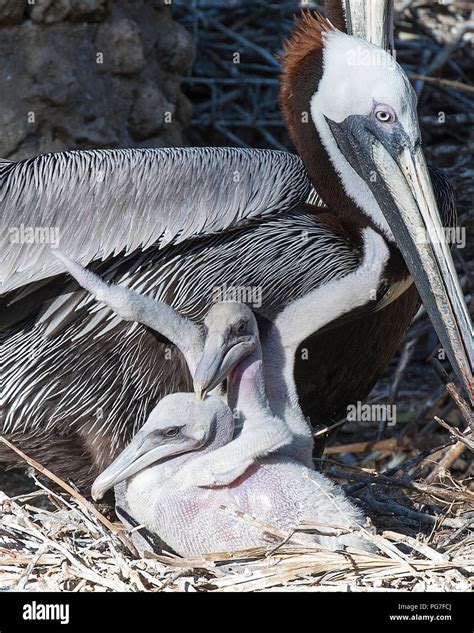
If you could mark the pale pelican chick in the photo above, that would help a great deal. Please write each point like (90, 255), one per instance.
(191, 520)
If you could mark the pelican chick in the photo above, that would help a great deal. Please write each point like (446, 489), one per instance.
(265, 432)
(191, 520)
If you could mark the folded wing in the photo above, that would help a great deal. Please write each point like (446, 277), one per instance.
(98, 203)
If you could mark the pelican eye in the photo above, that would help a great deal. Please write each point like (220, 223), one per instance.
(241, 327)
(384, 114)
(171, 431)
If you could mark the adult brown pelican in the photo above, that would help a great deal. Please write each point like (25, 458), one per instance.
(160, 465)
(184, 225)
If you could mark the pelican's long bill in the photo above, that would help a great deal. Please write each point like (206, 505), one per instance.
(403, 190)
(144, 449)
(373, 21)
(417, 228)
(218, 360)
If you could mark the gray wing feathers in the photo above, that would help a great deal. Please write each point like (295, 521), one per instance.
(99, 203)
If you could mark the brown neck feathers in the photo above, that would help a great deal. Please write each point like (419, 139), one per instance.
(335, 13)
(302, 72)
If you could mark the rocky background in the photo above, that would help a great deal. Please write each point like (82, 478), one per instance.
(77, 74)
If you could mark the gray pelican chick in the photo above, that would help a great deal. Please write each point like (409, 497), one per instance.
(265, 432)
(192, 520)
(232, 333)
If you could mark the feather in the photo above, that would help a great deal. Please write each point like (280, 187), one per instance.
(98, 203)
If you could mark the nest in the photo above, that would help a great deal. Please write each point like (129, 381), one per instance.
(56, 540)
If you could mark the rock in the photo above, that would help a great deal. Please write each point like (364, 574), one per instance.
(53, 76)
(88, 10)
(50, 11)
(175, 48)
(95, 133)
(54, 94)
(184, 110)
(171, 135)
(14, 129)
(120, 43)
(151, 111)
(12, 11)
(171, 87)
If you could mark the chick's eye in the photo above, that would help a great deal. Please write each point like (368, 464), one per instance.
(171, 431)
(385, 114)
(241, 327)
